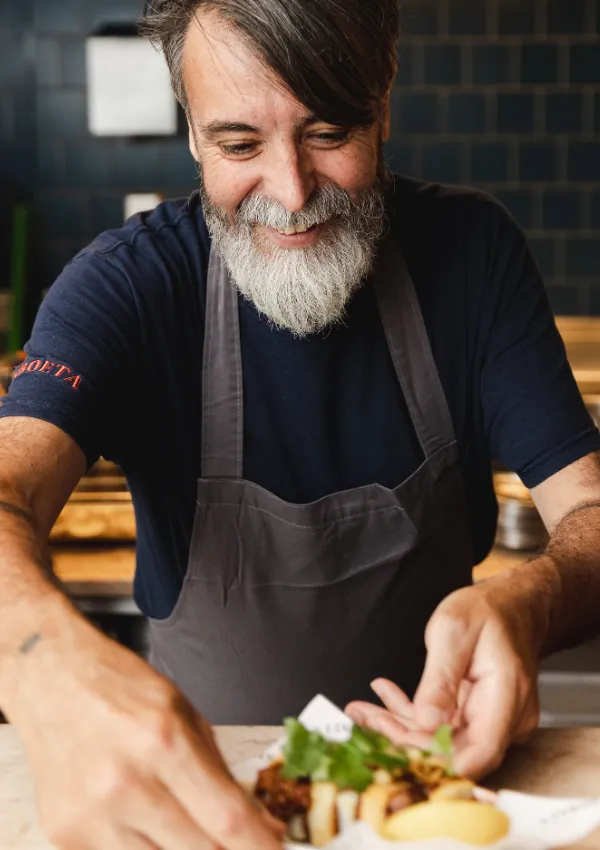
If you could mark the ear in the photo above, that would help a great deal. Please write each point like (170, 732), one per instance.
(385, 117)
(193, 146)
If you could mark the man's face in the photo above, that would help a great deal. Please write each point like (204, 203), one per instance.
(293, 203)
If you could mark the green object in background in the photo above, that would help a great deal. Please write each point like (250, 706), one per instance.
(18, 277)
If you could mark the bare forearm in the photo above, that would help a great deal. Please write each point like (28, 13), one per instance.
(573, 554)
(32, 607)
(558, 592)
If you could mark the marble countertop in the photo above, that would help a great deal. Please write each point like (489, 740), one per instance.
(560, 762)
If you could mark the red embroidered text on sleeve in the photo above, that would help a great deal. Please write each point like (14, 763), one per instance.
(55, 370)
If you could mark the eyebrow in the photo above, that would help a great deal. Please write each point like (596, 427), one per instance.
(212, 129)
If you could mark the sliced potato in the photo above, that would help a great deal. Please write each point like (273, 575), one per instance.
(373, 804)
(347, 809)
(464, 820)
(321, 818)
(382, 777)
(453, 788)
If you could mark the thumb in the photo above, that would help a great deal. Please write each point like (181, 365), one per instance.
(451, 641)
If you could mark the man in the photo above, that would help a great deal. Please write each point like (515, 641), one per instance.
(304, 373)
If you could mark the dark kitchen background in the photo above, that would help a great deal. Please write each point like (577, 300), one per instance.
(501, 94)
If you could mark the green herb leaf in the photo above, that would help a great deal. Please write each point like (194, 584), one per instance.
(304, 751)
(442, 740)
(442, 745)
(347, 768)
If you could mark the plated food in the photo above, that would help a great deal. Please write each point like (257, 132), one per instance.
(319, 788)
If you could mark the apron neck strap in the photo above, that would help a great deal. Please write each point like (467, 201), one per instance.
(410, 350)
(222, 391)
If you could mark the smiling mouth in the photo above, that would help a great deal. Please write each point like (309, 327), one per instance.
(290, 231)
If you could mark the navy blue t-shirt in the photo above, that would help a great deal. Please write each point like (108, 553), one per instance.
(119, 340)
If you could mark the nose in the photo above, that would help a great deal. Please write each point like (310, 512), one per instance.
(289, 179)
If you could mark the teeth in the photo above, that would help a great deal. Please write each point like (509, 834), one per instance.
(289, 231)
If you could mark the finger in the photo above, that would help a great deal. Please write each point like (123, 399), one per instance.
(214, 801)
(450, 648)
(361, 712)
(490, 712)
(399, 734)
(393, 698)
(155, 816)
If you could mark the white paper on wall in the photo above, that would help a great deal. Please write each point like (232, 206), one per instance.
(129, 91)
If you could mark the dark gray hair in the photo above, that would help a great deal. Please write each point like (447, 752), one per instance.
(337, 57)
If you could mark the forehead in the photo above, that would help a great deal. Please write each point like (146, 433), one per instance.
(224, 78)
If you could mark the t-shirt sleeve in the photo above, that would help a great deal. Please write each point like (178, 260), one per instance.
(535, 419)
(81, 349)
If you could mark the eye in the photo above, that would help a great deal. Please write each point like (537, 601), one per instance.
(238, 150)
(331, 138)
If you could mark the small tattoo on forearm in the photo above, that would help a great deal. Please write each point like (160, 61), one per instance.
(30, 643)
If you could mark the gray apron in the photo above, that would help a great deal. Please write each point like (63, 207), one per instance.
(283, 601)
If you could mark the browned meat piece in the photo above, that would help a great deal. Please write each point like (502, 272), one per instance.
(284, 798)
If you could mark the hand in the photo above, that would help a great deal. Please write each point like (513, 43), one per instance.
(480, 675)
(121, 760)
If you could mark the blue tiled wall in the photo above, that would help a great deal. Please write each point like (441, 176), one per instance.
(503, 94)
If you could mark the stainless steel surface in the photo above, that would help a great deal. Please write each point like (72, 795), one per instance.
(520, 526)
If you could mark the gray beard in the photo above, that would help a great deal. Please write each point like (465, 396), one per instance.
(302, 290)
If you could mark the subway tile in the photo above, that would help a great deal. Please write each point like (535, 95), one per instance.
(415, 113)
(489, 162)
(21, 13)
(58, 16)
(139, 165)
(61, 112)
(24, 117)
(542, 249)
(467, 17)
(16, 160)
(584, 63)
(441, 162)
(51, 169)
(596, 210)
(97, 12)
(566, 16)
(466, 113)
(419, 17)
(181, 170)
(62, 215)
(520, 204)
(73, 57)
(561, 210)
(7, 115)
(442, 64)
(515, 113)
(584, 161)
(539, 63)
(89, 164)
(490, 64)
(13, 67)
(564, 299)
(583, 256)
(400, 157)
(406, 64)
(516, 17)
(106, 212)
(564, 112)
(537, 161)
(48, 61)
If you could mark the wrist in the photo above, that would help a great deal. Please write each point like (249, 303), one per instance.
(36, 639)
(530, 598)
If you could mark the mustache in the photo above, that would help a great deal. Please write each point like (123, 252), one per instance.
(326, 203)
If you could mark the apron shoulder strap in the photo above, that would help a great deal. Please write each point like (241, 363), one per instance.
(222, 391)
(410, 349)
